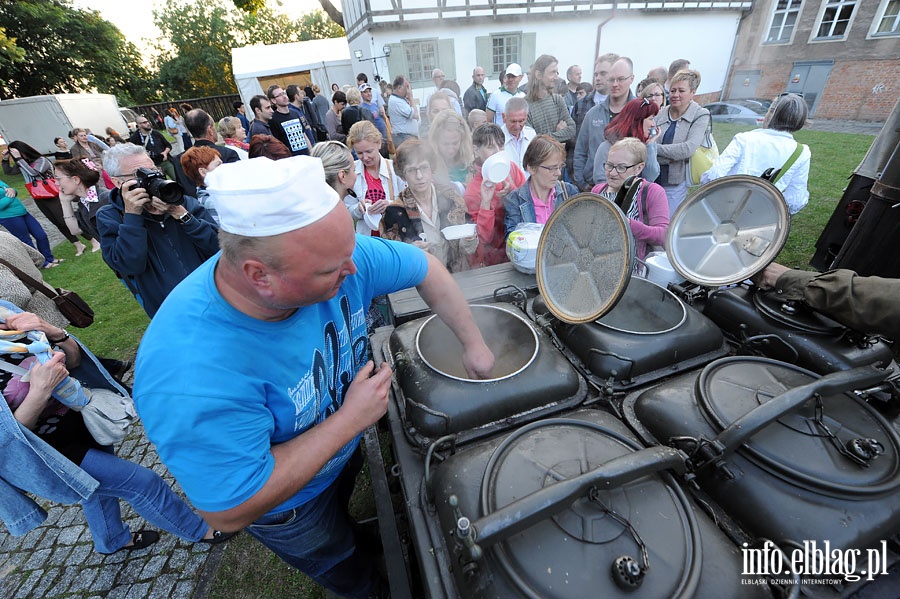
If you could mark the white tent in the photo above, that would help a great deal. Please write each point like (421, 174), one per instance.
(327, 61)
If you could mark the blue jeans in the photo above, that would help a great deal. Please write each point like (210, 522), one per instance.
(149, 495)
(24, 228)
(317, 538)
(399, 138)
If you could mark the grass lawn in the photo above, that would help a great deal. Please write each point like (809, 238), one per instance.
(250, 571)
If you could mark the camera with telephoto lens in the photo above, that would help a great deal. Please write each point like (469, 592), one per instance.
(158, 186)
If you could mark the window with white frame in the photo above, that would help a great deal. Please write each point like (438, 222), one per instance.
(784, 20)
(421, 58)
(505, 49)
(888, 20)
(835, 19)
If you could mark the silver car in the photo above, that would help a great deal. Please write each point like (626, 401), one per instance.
(742, 112)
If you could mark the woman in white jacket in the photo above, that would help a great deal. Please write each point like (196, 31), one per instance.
(377, 183)
(772, 147)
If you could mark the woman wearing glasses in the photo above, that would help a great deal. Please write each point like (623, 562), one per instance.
(653, 90)
(428, 209)
(535, 201)
(637, 120)
(682, 125)
(648, 214)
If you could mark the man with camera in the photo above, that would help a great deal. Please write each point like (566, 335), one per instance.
(151, 234)
(157, 146)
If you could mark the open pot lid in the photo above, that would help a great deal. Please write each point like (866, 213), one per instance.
(728, 230)
(585, 258)
(812, 446)
(572, 553)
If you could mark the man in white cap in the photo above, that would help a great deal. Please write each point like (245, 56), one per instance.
(261, 417)
(509, 81)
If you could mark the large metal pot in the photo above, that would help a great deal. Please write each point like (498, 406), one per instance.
(531, 378)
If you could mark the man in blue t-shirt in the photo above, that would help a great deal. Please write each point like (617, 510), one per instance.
(262, 426)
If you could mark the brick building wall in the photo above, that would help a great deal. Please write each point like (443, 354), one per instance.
(864, 81)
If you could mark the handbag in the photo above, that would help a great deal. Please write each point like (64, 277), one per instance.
(76, 310)
(42, 185)
(704, 156)
(43, 189)
(107, 414)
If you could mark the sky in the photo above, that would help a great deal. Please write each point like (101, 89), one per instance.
(134, 18)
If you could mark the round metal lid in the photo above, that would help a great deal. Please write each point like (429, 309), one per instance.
(585, 258)
(802, 447)
(796, 315)
(728, 230)
(569, 554)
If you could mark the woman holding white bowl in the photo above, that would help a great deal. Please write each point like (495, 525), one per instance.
(423, 210)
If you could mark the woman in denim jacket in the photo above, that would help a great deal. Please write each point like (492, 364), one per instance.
(51, 423)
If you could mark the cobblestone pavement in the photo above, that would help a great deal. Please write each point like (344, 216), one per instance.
(57, 559)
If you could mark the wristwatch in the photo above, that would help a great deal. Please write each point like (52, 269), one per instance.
(184, 218)
(64, 338)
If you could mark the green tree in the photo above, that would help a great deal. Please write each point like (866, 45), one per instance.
(67, 50)
(9, 51)
(198, 36)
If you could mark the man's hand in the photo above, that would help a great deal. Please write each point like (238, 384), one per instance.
(165, 153)
(478, 360)
(767, 278)
(367, 398)
(134, 198)
(10, 192)
(176, 210)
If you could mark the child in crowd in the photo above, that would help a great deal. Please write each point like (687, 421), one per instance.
(484, 199)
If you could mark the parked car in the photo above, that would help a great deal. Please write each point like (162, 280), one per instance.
(130, 118)
(743, 112)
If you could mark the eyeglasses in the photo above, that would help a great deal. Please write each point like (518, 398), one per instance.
(552, 169)
(418, 171)
(612, 80)
(619, 168)
(656, 95)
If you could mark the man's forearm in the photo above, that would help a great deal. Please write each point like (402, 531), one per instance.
(296, 463)
(445, 299)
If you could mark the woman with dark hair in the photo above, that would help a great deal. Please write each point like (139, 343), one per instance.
(683, 125)
(269, 147)
(543, 193)
(80, 180)
(18, 159)
(62, 152)
(333, 118)
(638, 120)
(429, 209)
(771, 147)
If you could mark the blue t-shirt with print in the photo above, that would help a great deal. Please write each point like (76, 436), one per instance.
(216, 388)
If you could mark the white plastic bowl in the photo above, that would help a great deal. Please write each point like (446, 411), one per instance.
(496, 168)
(458, 231)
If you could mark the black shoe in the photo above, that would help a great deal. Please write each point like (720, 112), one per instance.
(218, 537)
(141, 540)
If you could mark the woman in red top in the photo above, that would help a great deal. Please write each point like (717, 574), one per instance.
(484, 199)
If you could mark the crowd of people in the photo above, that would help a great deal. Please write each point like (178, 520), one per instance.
(287, 223)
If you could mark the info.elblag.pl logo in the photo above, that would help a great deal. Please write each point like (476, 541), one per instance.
(815, 559)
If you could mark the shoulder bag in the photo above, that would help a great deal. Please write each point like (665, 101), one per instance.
(703, 157)
(42, 186)
(70, 304)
